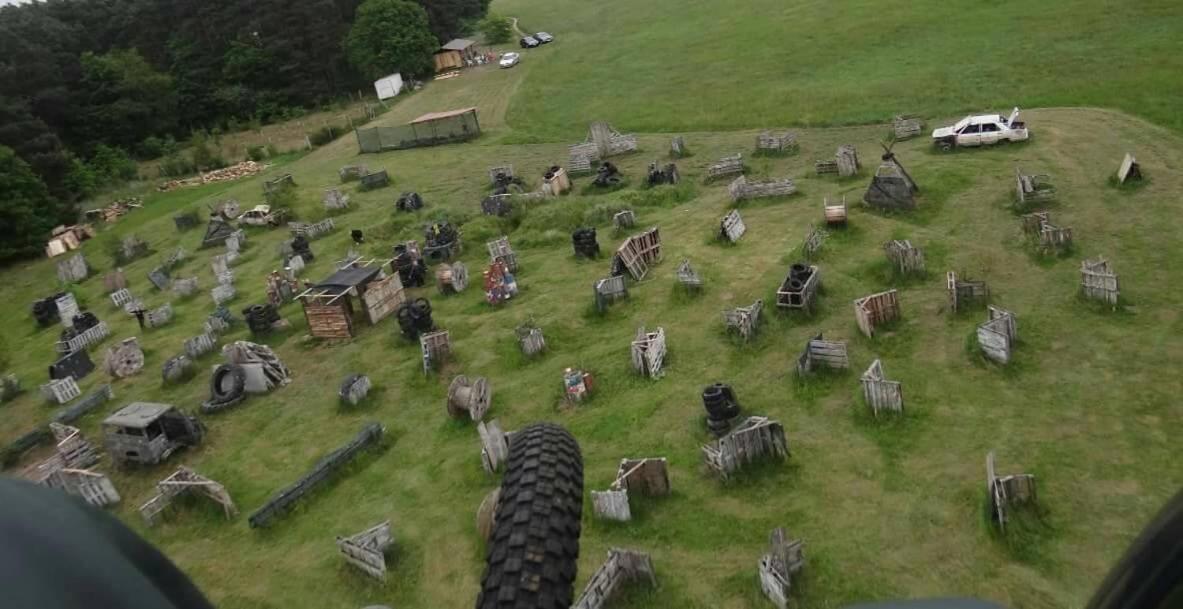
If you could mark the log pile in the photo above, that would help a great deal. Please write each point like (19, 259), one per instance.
(244, 169)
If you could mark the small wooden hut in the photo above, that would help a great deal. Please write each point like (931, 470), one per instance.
(329, 305)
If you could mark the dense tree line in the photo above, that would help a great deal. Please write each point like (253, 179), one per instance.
(82, 80)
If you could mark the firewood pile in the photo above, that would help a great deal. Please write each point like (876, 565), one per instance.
(115, 210)
(244, 169)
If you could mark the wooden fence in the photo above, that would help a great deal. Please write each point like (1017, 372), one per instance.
(756, 438)
(312, 231)
(1098, 281)
(880, 393)
(726, 166)
(871, 311)
(776, 143)
(996, 336)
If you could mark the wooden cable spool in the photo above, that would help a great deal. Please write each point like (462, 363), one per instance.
(486, 514)
(452, 278)
(469, 397)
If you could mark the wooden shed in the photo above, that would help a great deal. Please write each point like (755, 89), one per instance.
(329, 305)
(453, 54)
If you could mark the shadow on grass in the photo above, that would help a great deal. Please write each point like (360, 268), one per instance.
(1028, 534)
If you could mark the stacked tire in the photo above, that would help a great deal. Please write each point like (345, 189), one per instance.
(584, 241)
(45, 311)
(302, 248)
(799, 274)
(409, 201)
(227, 388)
(412, 271)
(414, 318)
(260, 317)
(721, 406)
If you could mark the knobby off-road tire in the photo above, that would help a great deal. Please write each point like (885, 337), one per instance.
(535, 543)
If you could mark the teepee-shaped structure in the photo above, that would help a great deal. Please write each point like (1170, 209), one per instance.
(891, 187)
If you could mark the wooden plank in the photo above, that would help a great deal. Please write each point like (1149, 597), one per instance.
(382, 297)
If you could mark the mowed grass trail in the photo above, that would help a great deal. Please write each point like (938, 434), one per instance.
(890, 509)
(693, 65)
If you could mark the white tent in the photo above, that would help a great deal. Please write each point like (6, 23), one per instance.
(389, 86)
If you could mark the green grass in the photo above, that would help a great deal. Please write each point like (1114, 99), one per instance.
(697, 66)
(888, 508)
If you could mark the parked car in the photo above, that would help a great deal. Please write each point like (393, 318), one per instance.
(981, 130)
(543, 37)
(263, 215)
(510, 60)
(529, 42)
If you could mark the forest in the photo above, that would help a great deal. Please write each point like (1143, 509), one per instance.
(86, 86)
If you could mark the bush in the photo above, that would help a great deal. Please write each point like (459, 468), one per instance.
(495, 29)
(151, 148)
(176, 165)
(256, 153)
(326, 134)
(111, 165)
(272, 151)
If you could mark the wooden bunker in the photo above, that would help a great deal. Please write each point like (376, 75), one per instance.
(744, 320)
(1047, 236)
(609, 290)
(963, 292)
(687, 276)
(185, 481)
(996, 336)
(1007, 491)
(876, 309)
(367, 550)
(768, 142)
(1129, 170)
(845, 163)
(822, 353)
(1099, 282)
(785, 558)
(799, 288)
(742, 189)
(905, 258)
(906, 126)
(813, 242)
(431, 129)
(892, 188)
(602, 142)
(648, 477)
(1033, 189)
(621, 567)
(329, 305)
(754, 439)
(726, 166)
(648, 352)
(637, 254)
(731, 227)
(880, 393)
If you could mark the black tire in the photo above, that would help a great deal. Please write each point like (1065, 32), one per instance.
(421, 307)
(795, 285)
(534, 549)
(227, 383)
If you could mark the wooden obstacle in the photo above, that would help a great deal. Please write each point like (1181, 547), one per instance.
(1099, 282)
(311, 231)
(1033, 189)
(638, 253)
(876, 309)
(501, 251)
(223, 293)
(624, 218)
(555, 182)
(186, 287)
(812, 243)
(494, 445)
(891, 188)
(200, 345)
(451, 278)
(352, 172)
(623, 566)
(93, 487)
(499, 173)
(92, 336)
(275, 185)
(963, 292)
(785, 558)
(1129, 170)
(741, 189)
(687, 276)
(821, 353)
(744, 320)
(1008, 491)
(73, 269)
(159, 316)
(845, 163)
(783, 142)
(530, 339)
(834, 212)
(114, 281)
(375, 179)
(609, 290)
(1048, 236)
(906, 126)
(731, 227)
(469, 397)
(677, 147)
(880, 393)
(71, 451)
(799, 288)
(436, 347)
(648, 352)
(61, 390)
(648, 477)
(905, 258)
(67, 308)
(335, 199)
(185, 481)
(726, 166)
(602, 142)
(754, 439)
(367, 549)
(996, 336)
(354, 389)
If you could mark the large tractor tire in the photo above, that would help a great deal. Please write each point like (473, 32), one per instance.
(534, 547)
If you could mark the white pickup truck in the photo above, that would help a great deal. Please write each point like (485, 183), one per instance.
(981, 130)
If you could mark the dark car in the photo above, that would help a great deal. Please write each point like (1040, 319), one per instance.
(529, 42)
(543, 37)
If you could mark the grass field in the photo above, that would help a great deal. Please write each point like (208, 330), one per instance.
(887, 509)
(695, 65)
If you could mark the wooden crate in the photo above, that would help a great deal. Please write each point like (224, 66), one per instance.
(876, 309)
(880, 393)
